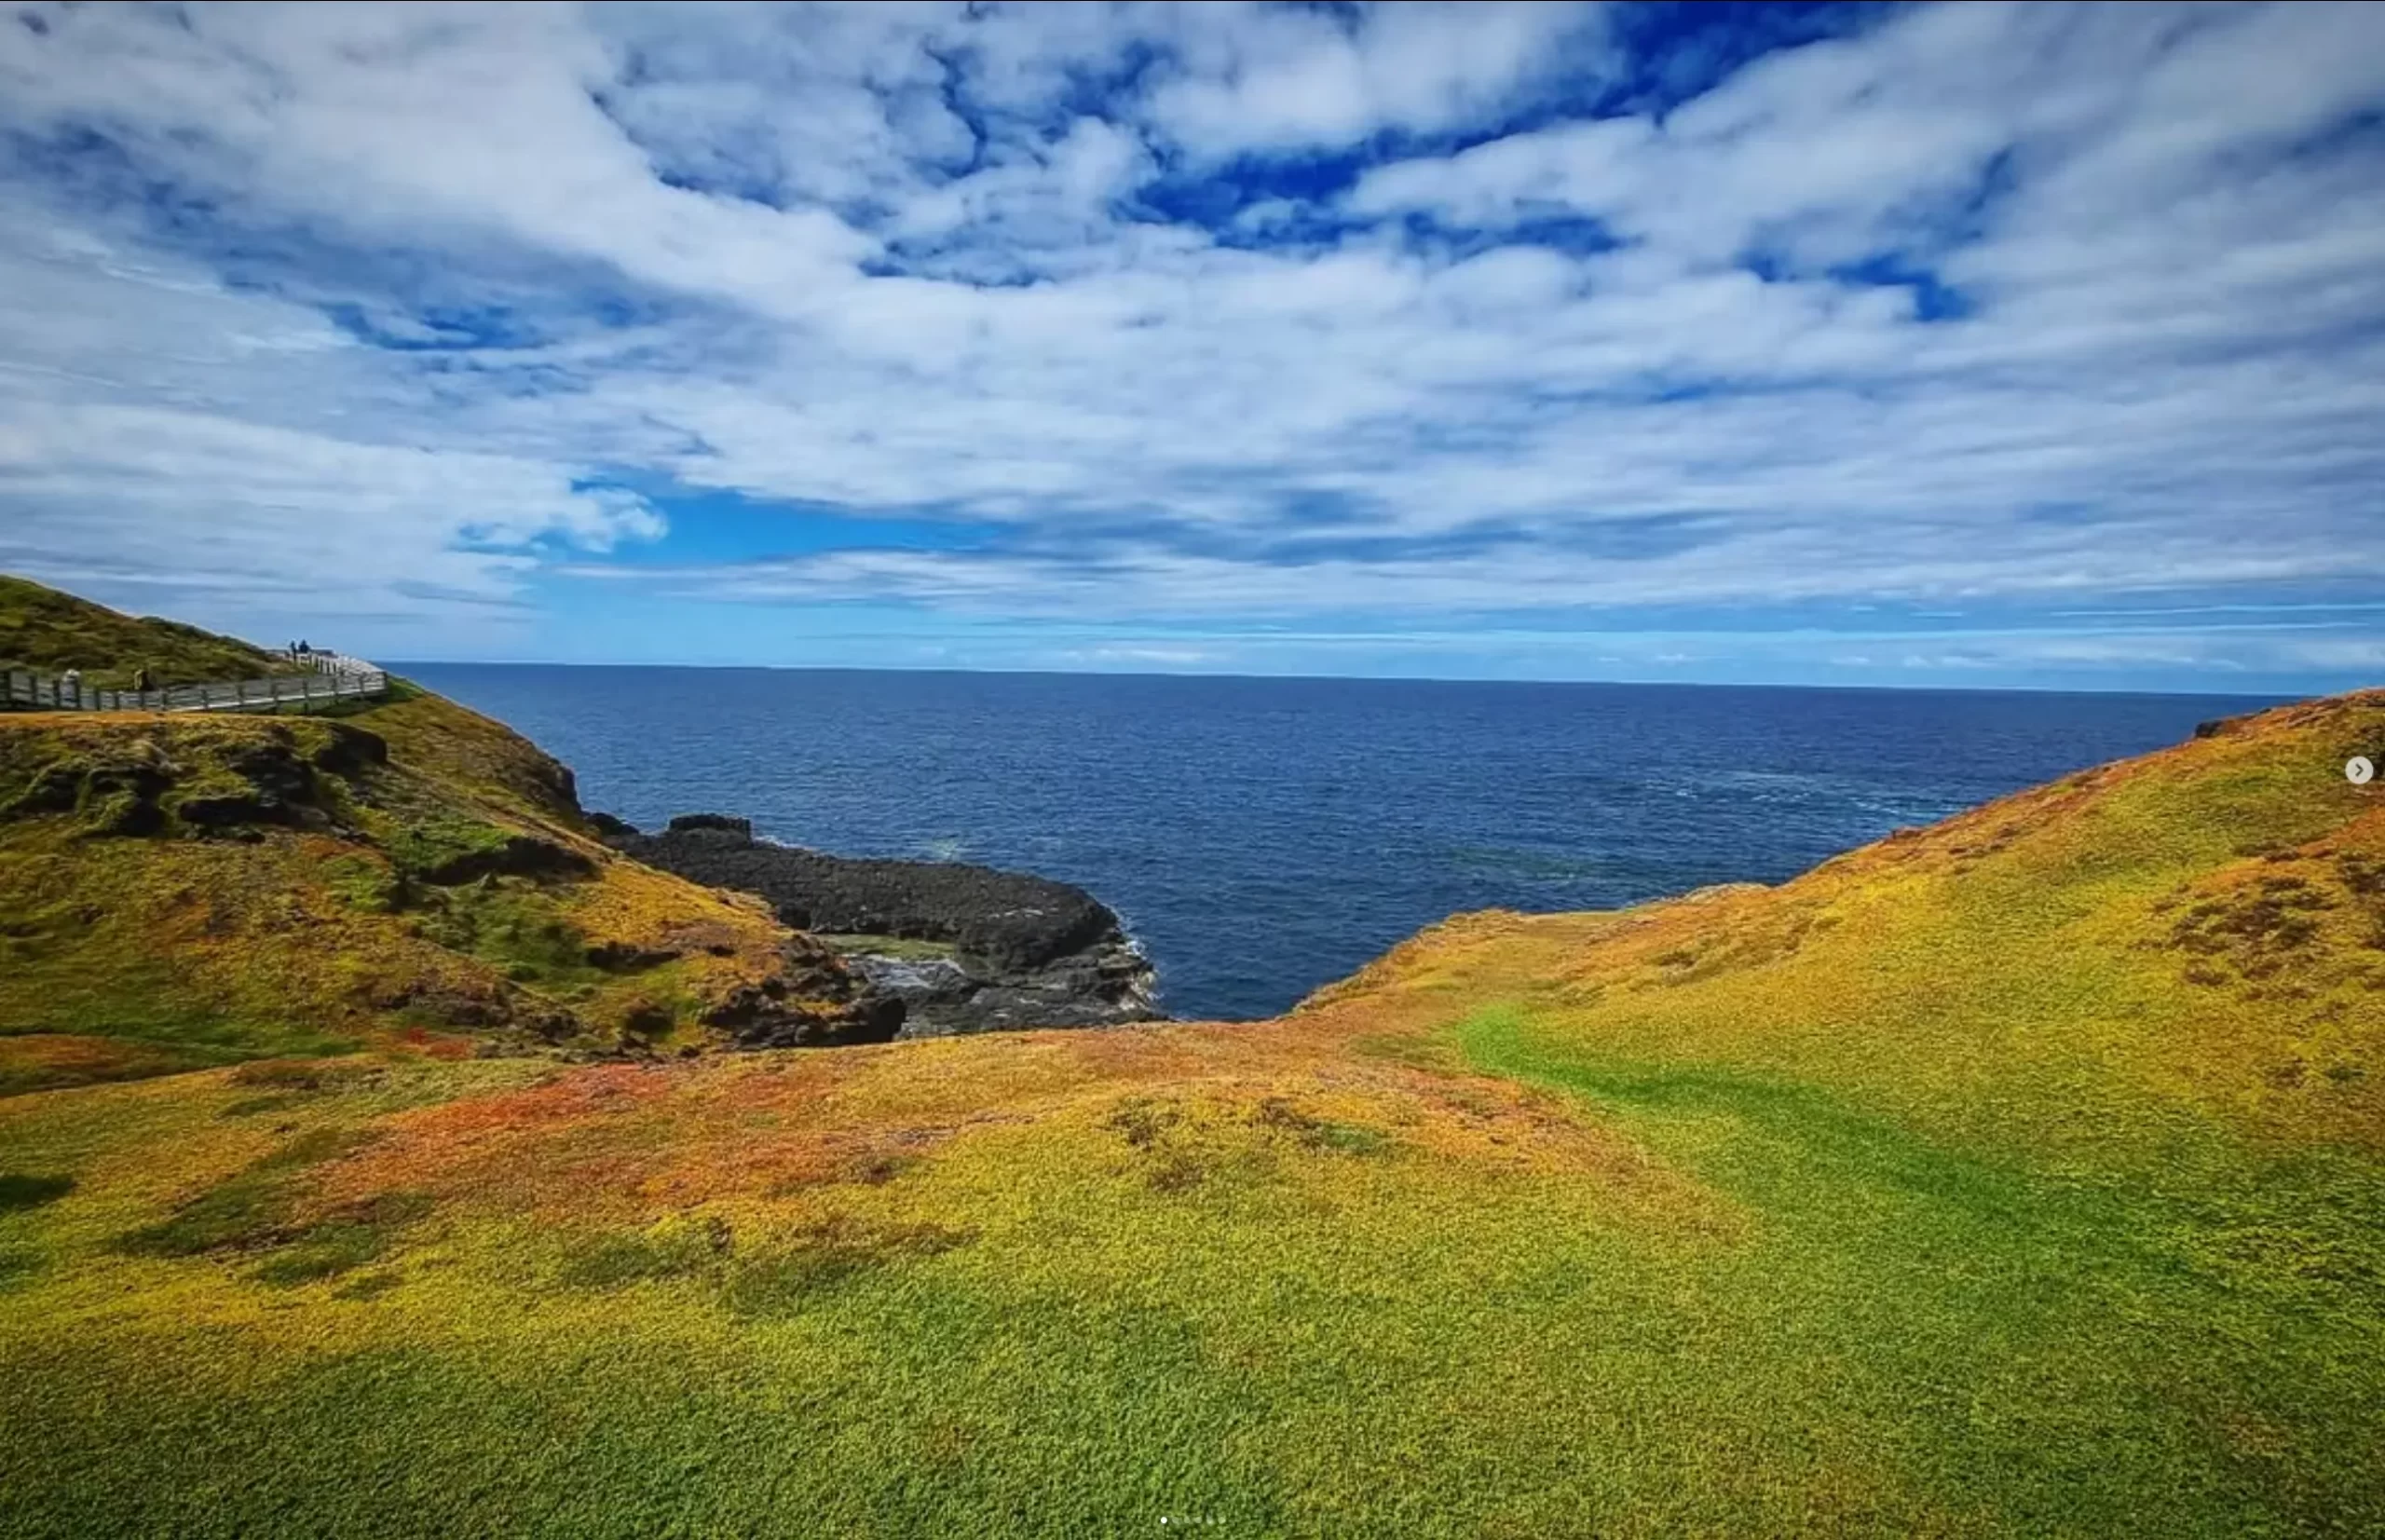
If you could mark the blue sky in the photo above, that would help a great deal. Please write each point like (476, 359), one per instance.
(1936, 346)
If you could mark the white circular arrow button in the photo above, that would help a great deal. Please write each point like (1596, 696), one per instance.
(2357, 770)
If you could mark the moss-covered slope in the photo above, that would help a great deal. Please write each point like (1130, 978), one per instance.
(2020, 1176)
(2133, 957)
(179, 891)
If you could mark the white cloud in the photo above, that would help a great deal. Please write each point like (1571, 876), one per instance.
(1274, 79)
(930, 262)
(136, 449)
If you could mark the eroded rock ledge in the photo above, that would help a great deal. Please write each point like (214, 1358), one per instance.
(967, 948)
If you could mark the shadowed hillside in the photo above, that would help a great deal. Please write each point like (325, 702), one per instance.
(2022, 1175)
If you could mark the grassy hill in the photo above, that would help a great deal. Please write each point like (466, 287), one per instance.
(2025, 1175)
(185, 891)
(49, 632)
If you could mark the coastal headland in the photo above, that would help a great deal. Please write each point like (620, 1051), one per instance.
(388, 1147)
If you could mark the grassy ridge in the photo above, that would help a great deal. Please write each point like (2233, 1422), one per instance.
(181, 890)
(49, 632)
(2020, 1176)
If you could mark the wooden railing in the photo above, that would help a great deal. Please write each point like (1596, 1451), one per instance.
(330, 678)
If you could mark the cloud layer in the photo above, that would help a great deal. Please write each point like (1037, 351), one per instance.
(1391, 323)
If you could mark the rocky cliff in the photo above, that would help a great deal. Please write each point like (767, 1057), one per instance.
(967, 948)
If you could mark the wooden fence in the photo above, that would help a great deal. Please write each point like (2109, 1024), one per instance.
(330, 678)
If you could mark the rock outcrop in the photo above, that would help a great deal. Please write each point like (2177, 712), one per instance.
(966, 949)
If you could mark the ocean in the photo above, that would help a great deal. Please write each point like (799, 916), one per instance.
(1264, 836)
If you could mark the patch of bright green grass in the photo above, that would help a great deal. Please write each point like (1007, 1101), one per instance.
(437, 842)
(516, 927)
(2048, 1349)
(363, 883)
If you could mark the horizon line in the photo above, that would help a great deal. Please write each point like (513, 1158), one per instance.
(2274, 696)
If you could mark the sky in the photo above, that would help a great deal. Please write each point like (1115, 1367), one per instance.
(1962, 346)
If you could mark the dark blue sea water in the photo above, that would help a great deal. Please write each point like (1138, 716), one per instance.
(1264, 836)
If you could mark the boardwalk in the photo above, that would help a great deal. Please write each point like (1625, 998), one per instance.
(331, 677)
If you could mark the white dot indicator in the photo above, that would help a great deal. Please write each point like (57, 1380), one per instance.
(2357, 770)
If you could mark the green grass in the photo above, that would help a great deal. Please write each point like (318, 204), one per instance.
(179, 892)
(422, 848)
(2048, 1348)
(49, 632)
(329, 1248)
(1843, 1326)
(1229, 1352)
(246, 1211)
(512, 925)
(1937, 1193)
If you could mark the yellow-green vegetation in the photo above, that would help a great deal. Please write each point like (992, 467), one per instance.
(2021, 1176)
(49, 632)
(181, 890)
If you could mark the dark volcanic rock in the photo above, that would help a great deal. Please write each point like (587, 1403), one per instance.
(761, 1015)
(517, 855)
(1027, 951)
(1009, 919)
(688, 823)
(619, 956)
(609, 827)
